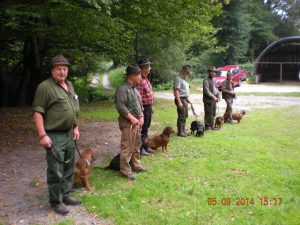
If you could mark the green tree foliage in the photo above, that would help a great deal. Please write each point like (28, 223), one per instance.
(85, 31)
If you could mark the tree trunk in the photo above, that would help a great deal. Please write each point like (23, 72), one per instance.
(31, 69)
(4, 87)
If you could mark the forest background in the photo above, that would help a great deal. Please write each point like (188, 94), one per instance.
(93, 33)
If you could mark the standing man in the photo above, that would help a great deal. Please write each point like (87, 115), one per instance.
(145, 89)
(228, 95)
(182, 93)
(56, 110)
(131, 120)
(211, 96)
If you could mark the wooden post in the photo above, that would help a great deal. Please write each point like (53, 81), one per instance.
(281, 72)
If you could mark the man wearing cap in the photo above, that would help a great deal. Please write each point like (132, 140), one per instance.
(228, 95)
(56, 110)
(145, 89)
(211, 96)
(182, 93)
(130, 108)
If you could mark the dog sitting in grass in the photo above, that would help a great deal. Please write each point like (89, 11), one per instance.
(160, 141)
(235, 115)
(219, 121)
(198, 127)
(83, 168)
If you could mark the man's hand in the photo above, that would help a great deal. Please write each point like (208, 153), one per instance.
(215, 99)
(46, 142)
(76, 133)
(180, 105)
(141, 121)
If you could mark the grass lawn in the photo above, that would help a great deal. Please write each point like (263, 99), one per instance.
(249, 173)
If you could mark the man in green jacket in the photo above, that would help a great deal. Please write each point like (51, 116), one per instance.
(211, 96)
(56, 110)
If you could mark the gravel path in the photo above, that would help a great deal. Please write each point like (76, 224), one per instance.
(249, 102)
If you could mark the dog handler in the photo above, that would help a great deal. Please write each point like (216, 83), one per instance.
(56, 110)
(228, 95)
(145, 89)
(182, 93)
(129, 105)
(211, 96)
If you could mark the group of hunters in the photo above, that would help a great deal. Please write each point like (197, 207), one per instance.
(56, 110)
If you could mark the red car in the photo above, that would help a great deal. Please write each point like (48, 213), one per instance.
(239, 75)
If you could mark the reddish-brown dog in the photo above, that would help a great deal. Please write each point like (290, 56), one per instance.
(235, 115)
(161, 140)
(219, 122)
(83, 169)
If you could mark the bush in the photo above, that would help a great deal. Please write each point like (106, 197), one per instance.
(117, 77)
(164, 86)
(87, 93)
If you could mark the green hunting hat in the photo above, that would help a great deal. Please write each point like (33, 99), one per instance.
(59, 60)
(188, 68)
(144, 62)
(132, 69)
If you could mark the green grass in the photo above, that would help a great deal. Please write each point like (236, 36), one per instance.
(65, 222)
(257, 158)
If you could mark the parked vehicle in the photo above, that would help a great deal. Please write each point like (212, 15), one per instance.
(239, 75)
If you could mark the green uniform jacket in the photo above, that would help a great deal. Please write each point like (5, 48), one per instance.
(59, 108)
(226, 87)
(209, 89)
(128, 100)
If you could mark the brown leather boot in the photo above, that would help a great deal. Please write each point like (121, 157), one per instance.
(60, 208)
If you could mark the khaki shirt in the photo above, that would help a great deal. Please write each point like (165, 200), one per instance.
(227, 86)
(183, 86)
(128, 100)
(209, 89)
(59, 108)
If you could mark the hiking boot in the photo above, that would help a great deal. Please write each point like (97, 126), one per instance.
(130, 176)
(144, 153)
(183, 130)
(149, 150)
(60, 208)
(141, 170)
(181, 134)
(71, 201)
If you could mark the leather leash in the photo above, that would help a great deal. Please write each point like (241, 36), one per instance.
(194, 112)
(78, 150)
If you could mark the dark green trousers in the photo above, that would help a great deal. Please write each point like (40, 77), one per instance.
(60, 165)
(229, 103)
(210, 109)
(182, 114)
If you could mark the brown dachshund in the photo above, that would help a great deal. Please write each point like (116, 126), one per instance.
(219, 122)
(235, 115)
(161, 140)
(83, 168)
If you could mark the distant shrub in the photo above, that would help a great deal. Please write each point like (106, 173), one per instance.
(117, 77)
(87, 93)
(163, 86)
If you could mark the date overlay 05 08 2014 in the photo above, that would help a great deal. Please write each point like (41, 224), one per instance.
(244, 201)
